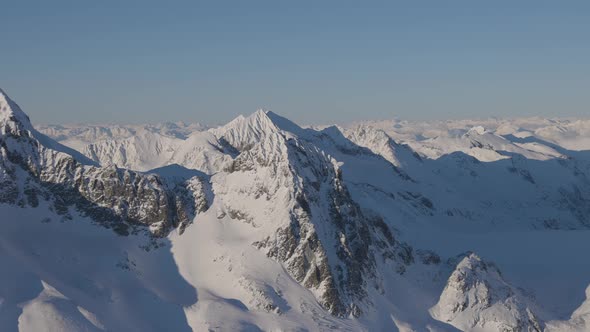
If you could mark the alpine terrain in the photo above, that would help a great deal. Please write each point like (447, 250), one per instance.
(264, 225)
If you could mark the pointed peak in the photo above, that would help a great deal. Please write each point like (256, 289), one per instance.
(280, 122)
(15, 122)
(476, 265)
(261, 112)
(470, 259)
(261, 120)
(244, 131)
(12, 115)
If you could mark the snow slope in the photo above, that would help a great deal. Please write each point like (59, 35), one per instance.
(263, 225)
(78, 136)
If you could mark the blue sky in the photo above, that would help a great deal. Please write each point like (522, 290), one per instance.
(313, 62)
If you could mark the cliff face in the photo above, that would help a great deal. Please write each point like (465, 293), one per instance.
(320, 234)
(33, 166)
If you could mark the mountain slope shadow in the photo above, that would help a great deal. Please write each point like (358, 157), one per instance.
(124, 282)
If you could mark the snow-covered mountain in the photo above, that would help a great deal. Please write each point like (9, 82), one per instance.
(540, 135)
(201, 150)
(261, 224)
(78, 136)
(477, 298)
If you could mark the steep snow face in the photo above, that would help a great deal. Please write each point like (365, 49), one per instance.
(477, 298)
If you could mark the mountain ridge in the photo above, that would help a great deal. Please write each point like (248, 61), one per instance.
(275, 226)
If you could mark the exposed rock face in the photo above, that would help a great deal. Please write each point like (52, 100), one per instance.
(32, 166)
(477, 298)
(329, 245)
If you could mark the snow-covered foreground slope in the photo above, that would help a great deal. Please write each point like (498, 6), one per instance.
(263, 225)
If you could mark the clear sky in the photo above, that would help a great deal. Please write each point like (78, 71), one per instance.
(311, 61)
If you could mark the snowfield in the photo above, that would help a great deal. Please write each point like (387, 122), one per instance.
(264, 225)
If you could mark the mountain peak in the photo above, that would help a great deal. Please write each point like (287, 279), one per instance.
(261, 112)
(261, 119)
(244, 131)
(477, 289)
(15, 122)
(11, 115)
(284, 124)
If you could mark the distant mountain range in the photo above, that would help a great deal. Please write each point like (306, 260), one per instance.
(263, 225)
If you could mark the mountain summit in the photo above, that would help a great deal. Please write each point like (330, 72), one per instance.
(12, 118)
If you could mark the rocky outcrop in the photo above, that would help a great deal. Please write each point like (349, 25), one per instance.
(477, 298)
(329, 245)
(33, 166)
